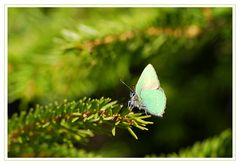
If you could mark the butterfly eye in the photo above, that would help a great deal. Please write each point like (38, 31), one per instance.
(131, 94)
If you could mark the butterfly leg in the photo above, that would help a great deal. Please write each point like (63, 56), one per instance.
(130, 106)
(145, 110)
(132, 102)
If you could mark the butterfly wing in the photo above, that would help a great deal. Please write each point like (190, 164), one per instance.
(154, 100)
(147, 80)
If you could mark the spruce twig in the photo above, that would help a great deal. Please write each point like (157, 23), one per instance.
(72, 122)
(218, 146)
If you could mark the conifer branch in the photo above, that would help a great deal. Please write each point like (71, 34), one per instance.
(218, 146)
(191, 31)
(52, 150)
(72, 122)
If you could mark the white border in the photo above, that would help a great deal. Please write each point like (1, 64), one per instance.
(119, 5)
(123, 3)
(6, 82)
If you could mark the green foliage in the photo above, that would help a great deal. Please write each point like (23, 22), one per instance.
(68, 123)
(218, 146)
(58, 53)
(93, 48)
(46, 150)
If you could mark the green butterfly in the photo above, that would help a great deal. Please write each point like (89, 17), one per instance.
(148, 94)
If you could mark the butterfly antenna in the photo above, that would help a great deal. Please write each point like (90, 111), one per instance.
(127, 86)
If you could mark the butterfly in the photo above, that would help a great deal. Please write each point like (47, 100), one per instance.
(148, 94)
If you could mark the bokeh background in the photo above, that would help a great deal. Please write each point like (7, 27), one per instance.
(58, 53)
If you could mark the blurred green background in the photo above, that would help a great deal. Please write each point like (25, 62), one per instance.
(58, 53)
